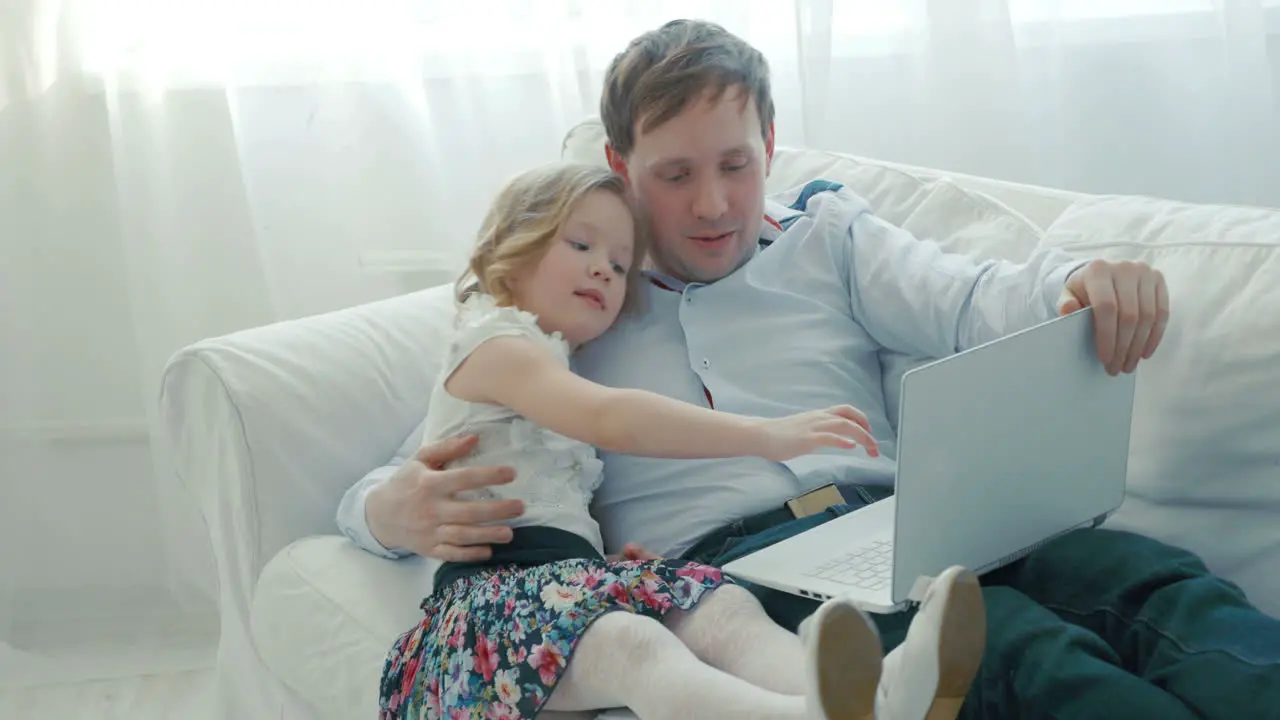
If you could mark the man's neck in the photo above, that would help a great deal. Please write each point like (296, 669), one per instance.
(677, 281)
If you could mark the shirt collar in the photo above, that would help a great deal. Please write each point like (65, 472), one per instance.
(775, 215)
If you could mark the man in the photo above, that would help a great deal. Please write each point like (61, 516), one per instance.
(764, 309)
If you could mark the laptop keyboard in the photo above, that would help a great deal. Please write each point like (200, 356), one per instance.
(867, 567)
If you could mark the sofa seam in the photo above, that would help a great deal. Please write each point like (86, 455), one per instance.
(199, 355)
(183, 480)
(1197, 244)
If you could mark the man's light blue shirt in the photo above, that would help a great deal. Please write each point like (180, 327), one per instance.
(801, 326)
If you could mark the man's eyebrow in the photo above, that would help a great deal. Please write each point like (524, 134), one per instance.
(668, 162)
(736, 150)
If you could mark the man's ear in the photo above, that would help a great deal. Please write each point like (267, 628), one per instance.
(768, 150)
(617, 163)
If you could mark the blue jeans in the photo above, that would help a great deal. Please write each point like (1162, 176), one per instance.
(1097, 624)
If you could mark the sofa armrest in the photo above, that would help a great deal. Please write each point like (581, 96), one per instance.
(268, 427)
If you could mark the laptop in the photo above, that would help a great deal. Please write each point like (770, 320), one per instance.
(1001, 448)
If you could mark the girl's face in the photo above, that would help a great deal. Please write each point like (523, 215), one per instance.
(579, 285)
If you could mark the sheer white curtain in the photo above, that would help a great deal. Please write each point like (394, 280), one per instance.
(176, 169)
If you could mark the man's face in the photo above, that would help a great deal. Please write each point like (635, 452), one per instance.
(699, 181)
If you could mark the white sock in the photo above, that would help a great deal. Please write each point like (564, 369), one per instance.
(626, 660)
(730, 630)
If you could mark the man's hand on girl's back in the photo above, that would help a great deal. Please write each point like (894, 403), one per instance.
(417, 508)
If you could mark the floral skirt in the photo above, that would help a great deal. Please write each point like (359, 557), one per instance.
(494, 644)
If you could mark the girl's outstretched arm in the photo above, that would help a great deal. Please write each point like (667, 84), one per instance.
(517, 373)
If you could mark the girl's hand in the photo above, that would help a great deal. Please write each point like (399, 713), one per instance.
(842, 426)
(634, 551)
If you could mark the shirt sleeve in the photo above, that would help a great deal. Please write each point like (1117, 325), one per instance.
(913, 297)
(351, 518)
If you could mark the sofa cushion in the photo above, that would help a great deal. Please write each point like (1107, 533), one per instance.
(1204, 468)
(324, 615)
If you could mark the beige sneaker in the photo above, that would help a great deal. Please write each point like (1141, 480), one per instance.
(845, 656)
(928, 676)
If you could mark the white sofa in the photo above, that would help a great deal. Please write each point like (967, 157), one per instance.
(269, 426)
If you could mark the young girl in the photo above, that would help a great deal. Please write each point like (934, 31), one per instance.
(557, 260)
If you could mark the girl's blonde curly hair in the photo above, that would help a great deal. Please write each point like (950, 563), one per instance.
(525, 219)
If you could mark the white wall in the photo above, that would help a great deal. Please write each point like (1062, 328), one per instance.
(80, 527)
(1166, 116)
(73, 401)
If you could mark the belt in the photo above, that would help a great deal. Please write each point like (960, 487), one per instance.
(810, 503)
(711, 543)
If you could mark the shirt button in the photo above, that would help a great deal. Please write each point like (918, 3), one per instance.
(688, 299)
(705, 363)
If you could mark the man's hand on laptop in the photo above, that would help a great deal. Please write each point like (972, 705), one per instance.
(417, 509)
(1130, 304)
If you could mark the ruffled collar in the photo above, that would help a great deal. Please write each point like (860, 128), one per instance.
(482, 306)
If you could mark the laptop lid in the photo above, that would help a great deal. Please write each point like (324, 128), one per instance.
(1006, 445)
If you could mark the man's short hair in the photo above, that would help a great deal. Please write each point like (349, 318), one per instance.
(664, 70)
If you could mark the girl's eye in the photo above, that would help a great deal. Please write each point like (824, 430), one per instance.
(734, 168)
(619, 269)
(581, 247)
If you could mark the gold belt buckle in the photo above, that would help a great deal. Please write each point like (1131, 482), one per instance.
(815, 501)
